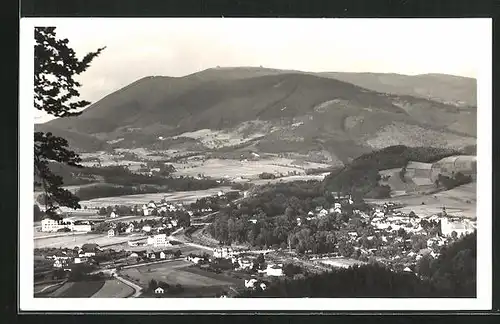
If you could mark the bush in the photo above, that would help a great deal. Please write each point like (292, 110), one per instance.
(267, 175)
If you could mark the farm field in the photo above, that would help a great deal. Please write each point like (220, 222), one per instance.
(174, 272)
(185, 249)
(43, 235)
(178, 197)
(219, 168)
(46, 288)
(318, 177)
(459, 201)
(81, 289)
(417, 178)
(341, 262)
(194, 292)
(114, 289)
(71, 241)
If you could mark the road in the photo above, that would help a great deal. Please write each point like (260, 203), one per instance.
(47, 287)
(59, 235)
(137, 288)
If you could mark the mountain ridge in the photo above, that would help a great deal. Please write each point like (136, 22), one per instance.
(293, 110)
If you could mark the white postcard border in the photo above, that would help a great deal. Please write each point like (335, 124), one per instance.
(26, 230)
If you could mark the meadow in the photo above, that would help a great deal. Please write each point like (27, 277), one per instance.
(459, 201)
(229, 168)
(173, 197)
(70, 241)
(80, 289)
(176, 272)
(114, 289)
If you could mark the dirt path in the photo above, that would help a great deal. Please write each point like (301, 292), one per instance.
(137, 288)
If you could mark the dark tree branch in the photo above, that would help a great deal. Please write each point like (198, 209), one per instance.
(55, 88)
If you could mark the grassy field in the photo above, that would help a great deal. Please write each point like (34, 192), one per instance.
(318, 177)
(185, 249)
(175, 272)
(81, 289)
(180, 197)
(71, 241)
(459, 201)
(114, 289)
(218, 168)
(341, 262)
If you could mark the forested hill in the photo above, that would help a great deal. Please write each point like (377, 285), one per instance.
(273, 111)
(452, 274)
(361, 176)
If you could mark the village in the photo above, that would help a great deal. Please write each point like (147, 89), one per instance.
(158, 235)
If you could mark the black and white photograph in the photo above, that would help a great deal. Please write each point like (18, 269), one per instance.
(255, 164)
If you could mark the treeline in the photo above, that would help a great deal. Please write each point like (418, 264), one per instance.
(452, 274)
(214, 202)
(456, 179)
(170, 184)
(116, 174)
(361, 175)
(455, 269)
(37, 213)
(367, 281)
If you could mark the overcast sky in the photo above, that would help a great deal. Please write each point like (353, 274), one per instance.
(177, 47)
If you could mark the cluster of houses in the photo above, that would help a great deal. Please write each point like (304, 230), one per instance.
(246, 260)
(63, 259)
(322, 212)
(385, 218)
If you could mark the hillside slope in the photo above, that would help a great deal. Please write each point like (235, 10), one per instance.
(275, 111)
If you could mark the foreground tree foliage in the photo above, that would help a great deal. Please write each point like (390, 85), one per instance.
(55, 88)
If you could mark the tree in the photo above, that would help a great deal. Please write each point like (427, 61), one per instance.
(56, 65)
(152, 285)
(37, 213)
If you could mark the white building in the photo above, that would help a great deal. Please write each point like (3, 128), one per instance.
(146, 228)
(460, 227)
(51, 225)
(250, 283)
(275, 270)
(323, 212)
(160, 240)
(113, 214)
(130, 228)
(145, 210)
(245, 263)
(225, 253)
(111, 233)
(159, 291)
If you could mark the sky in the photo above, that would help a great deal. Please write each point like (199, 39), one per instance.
(136, 48)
